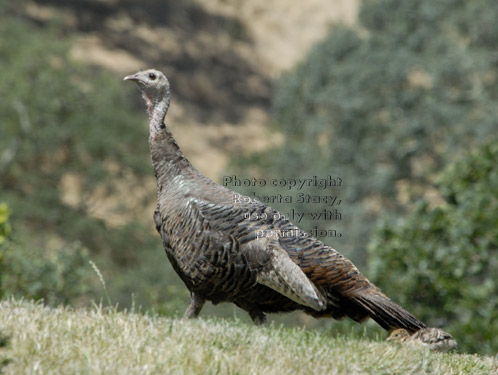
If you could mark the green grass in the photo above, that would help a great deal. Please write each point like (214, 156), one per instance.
(62, 340)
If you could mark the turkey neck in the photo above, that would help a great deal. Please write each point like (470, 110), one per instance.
(176, 177)
(157, 107)
(167, 158)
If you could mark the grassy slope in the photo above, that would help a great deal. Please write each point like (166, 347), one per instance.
(66, 341)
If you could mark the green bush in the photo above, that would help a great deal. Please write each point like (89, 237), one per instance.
(442, 262)
(55, 276)
(4, 224)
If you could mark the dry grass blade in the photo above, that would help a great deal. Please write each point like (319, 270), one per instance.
(102, 281)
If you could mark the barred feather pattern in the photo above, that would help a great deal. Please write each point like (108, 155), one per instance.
(218, 246)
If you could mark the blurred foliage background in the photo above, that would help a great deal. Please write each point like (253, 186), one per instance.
(387, 108)
(401, 106)
(64, 123)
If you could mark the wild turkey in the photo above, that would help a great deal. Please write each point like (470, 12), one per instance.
(227, 249)
(434, 338)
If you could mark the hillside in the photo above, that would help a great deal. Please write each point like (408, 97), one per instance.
(95, 341)
(221, 58)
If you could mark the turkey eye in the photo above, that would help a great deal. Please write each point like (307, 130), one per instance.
(152, 76)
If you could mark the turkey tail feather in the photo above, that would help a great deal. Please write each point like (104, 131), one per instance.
(386, 313)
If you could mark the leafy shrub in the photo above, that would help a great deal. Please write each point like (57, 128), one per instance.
(442, 262)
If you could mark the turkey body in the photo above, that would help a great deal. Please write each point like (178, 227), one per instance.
(231, 249)
(219, 242)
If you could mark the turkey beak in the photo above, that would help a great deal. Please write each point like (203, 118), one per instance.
(132, 77)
